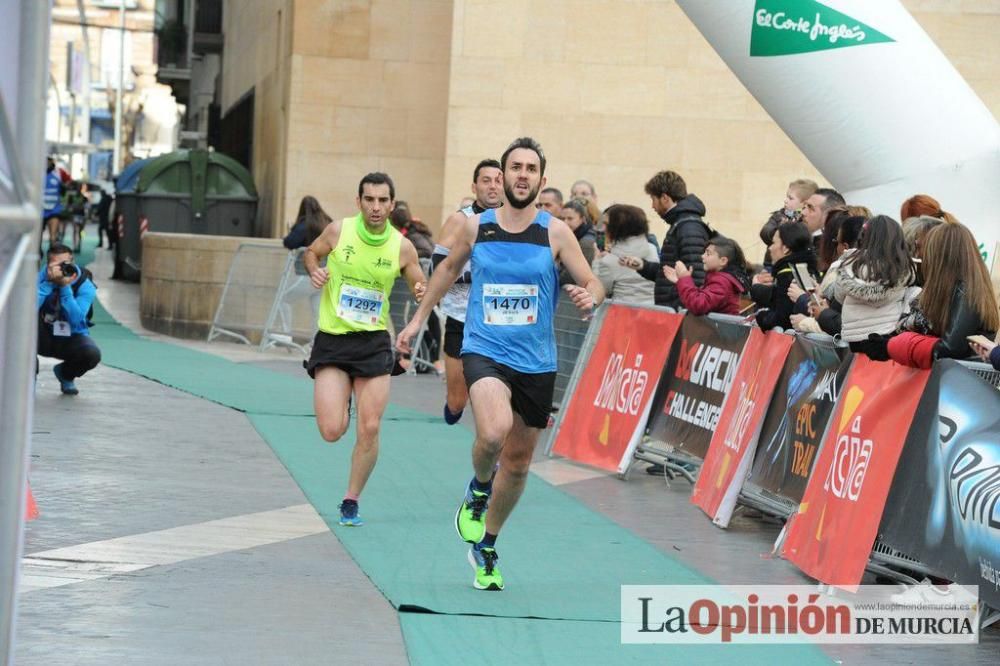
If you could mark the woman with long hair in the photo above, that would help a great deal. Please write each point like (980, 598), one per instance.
(310, 222)
(828, 241)
(957, 301)
(875, 283)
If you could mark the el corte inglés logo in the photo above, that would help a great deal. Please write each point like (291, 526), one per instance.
(786, 27)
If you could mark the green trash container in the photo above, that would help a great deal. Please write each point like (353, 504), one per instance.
(189, 192)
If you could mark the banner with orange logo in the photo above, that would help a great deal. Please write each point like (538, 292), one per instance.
(606, 413)
(735, 438)
(698, 376)
(832, 534)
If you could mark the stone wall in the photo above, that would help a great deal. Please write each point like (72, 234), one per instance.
(183, 276)
(615, 91)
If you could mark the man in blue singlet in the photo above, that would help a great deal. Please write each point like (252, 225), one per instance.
(509, 349)
(487, 185)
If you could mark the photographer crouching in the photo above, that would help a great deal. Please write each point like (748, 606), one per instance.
(65, 298)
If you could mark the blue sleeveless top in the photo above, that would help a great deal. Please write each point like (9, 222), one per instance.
(515, 287)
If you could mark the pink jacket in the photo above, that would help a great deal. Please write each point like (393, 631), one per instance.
(720, 293)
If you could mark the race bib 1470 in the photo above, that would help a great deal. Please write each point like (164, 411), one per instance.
(359, 305)
(510, 304)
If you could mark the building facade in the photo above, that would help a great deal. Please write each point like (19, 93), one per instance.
(150, 113)
(327, 90)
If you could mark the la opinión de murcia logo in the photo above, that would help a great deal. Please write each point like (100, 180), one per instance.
(850, 463)
(622, 388)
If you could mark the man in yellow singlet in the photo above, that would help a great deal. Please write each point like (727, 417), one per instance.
(352, 350)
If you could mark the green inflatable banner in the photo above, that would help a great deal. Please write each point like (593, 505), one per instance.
(786, 27)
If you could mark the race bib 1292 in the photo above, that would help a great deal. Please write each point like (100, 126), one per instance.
(360, 305)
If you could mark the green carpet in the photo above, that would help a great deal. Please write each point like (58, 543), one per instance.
(563, 563)
(236, 385)
(432, 640)
(411, 499)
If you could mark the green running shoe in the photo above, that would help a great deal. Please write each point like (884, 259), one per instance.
(484, 561)
(470, 521)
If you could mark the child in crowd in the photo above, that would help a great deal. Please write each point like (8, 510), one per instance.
(726, 279)
(824, 310)
(791, 248)
(875, 284)
(795, 197)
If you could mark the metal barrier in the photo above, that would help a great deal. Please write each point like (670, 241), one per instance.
(249, 293)
(571, 331)
(767, 502)
(295, 311)
(583, 349)
(402, 307)
(677, 463)
(22, 119)
(885, 560)
(576, 340)
(985, 372)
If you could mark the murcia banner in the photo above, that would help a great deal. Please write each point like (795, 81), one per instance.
(832, 534)
(786, 27)
(606, 414)
(734, 441)
(696, 380)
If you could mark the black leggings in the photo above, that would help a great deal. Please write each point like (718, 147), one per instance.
(79, 353)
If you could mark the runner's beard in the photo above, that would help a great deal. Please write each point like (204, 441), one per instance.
(519, 203)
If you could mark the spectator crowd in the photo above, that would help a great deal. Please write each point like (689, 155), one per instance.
(912, 290)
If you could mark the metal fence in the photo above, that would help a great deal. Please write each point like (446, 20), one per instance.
(255, 277)
(402, 307)
(295, 310)
(22, 117)
(571, 330)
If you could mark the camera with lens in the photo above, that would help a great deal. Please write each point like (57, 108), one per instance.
(68, 268)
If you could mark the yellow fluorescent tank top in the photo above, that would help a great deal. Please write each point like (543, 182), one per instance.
(363, 268)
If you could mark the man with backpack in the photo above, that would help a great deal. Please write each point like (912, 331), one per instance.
(65, 306)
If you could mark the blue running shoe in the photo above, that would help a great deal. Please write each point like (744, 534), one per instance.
(66, 386)
(450, 418)
(349, 514)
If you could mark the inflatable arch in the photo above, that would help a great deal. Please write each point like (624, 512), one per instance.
(869, 99)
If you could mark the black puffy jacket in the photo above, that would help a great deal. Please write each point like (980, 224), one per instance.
(779, 308)
(687, 236)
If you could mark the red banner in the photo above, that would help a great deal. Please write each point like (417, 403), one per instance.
(735, 438)
(831, 536)
(610, 402)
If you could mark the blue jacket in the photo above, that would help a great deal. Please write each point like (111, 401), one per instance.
(51, 195)
(72, 308)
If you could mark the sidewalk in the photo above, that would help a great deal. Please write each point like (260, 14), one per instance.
(170, 532)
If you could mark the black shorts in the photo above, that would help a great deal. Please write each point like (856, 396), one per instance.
(454, 333)
(530, 394)
(366, 354)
